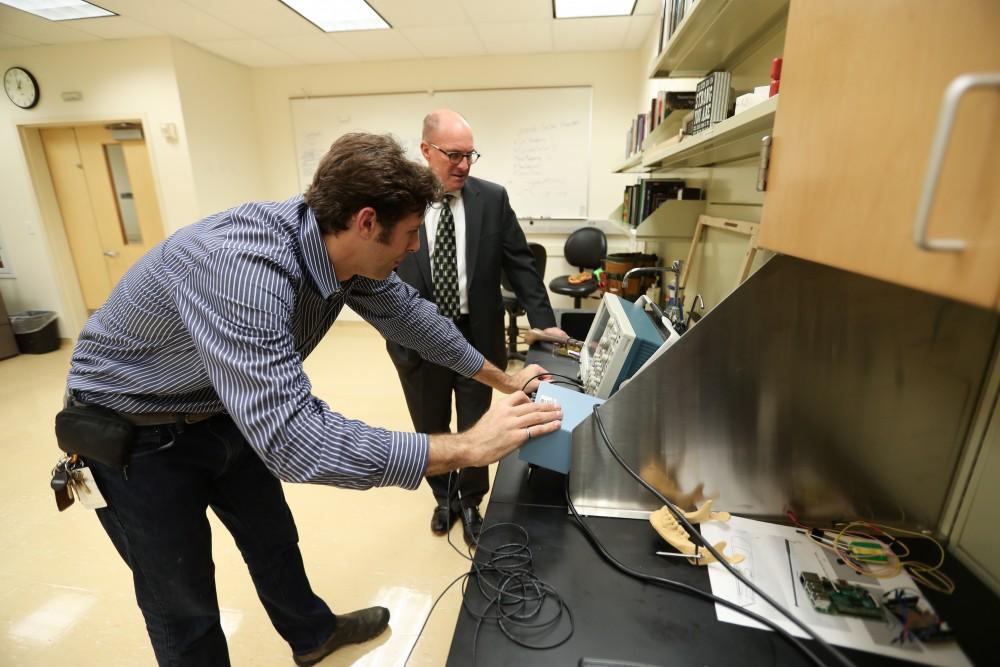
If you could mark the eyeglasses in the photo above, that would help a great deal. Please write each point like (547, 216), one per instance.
(456, 157)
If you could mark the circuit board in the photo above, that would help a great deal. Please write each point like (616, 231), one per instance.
(839, 598)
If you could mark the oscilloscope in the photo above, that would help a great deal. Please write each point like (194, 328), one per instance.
(621, 339)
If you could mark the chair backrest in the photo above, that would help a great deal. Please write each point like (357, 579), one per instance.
(586, 247)
(538, 250)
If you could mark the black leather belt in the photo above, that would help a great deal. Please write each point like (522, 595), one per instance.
(153, 418)
(165, 418)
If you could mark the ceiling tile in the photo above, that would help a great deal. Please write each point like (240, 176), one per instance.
(425, 13)
(373, 45)
(638, 28)
(445, 41)
(259, 18)
(177, 18)
(592, 34)
(249, 52)
(523, 37)
(508, 11)
(14, 42)
(116, 27)
(267, 33)
(312, 49)
(32, 28)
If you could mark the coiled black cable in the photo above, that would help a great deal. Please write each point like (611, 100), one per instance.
(515, 597)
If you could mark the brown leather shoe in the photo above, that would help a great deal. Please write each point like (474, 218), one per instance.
(353, 628)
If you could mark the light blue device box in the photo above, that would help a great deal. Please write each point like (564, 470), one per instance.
(555, 450)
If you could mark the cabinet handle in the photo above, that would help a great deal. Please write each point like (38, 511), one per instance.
(763, 163)
(949, 107)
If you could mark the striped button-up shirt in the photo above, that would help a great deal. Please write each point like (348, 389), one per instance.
(220, 316)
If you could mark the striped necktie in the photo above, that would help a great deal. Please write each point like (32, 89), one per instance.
(445, 265)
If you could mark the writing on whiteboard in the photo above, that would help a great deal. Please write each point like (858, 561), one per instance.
(534, 141)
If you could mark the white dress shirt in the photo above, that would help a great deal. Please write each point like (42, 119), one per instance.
(431, 218)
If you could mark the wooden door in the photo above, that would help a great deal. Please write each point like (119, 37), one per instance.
(105, 191)
(861, 89)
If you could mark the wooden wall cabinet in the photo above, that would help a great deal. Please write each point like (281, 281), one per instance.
(861, 91)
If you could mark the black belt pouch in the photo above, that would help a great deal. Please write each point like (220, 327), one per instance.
(95, 433)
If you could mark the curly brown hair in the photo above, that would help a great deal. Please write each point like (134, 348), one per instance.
(362, 169)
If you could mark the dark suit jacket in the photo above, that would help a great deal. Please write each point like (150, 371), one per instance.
(493, 241)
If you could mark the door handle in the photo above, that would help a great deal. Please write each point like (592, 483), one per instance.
(110, 253)
(946, 120)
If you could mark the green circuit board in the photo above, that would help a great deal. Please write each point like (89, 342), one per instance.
(840, 598)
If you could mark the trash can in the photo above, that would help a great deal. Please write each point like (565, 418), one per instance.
(36, 331)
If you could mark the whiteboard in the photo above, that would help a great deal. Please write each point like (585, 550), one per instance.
(533, 141)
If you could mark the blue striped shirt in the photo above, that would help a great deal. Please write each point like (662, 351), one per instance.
(220, 316)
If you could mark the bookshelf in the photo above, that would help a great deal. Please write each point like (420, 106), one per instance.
(665, 131)
(675, 218)
(734, 138)
(716, 33)
(737, 36)
(631, 166)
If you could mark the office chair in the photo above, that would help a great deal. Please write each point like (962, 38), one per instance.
(513, 306)
(585, 248)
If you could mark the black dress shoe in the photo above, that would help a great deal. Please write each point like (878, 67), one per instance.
(472, 523)
(442, 520)
(353, 628)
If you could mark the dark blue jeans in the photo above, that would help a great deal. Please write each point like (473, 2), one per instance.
(156, 518)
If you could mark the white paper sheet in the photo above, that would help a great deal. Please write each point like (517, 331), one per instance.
(775, 555)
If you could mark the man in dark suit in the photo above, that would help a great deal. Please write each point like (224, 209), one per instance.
(464, 244)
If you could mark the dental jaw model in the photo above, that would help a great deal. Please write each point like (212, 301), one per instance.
(666, 525)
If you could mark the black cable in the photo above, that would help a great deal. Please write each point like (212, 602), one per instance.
(573, 380)
(681, 519)
(568, 384)
(681, 586)
(508, 583)
(428, 617)
(515, 596)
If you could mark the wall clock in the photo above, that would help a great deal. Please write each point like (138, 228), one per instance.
(21, 87)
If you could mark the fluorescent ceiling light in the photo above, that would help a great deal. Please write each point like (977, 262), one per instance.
(577, 9)
(339, 15)
(59, 10)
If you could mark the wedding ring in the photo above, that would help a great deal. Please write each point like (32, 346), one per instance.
(528, 431)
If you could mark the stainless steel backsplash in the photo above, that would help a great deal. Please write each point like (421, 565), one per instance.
(808, 388)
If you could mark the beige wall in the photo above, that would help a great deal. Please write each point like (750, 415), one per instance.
(118, 80)
(217, 100)
(234, 135)
(612, 76)
(212, 164)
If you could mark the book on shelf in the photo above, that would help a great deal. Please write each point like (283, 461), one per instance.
(660, 107)
(627, 203)
(641, 199)
(634, 203)
(667, 102)
(712, 96)
(655, 191)
(672, 13)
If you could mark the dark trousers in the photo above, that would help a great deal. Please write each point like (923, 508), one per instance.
(156, 518)
(428, 389)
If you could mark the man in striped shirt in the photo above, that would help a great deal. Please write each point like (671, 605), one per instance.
(200, 345)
